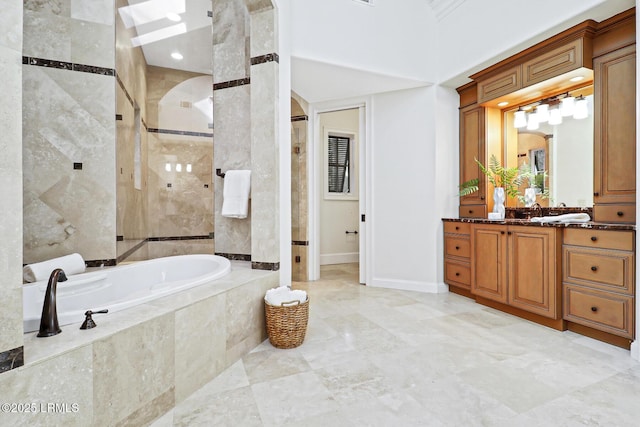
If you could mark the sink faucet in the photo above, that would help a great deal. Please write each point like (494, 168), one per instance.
(536, 208)
(49, 320)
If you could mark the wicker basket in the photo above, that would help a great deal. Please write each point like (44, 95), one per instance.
(287, 324)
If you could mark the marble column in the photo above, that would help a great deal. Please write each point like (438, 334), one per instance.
(265, 165)
(231, 120)
(11, 350)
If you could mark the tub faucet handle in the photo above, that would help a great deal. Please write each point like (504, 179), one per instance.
(88, 321)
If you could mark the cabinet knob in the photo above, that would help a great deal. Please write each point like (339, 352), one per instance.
(594, 309)
(509, 233)
(594, 268)
(620, 213)
(457, 274)
(470, 211)
(457, 248)
(594, 238)
(596, 194)
(481, 197)
(502, 232)
(457, 228)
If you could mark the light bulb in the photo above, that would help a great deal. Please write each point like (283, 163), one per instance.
(555, 116)
(582, 110)
(178, 167)
(188, 167)
(532, 123)
(167, 167)
(567, 106)
(542, 113)
(520, 118)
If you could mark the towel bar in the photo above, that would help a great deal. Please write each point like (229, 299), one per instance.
(350, 232)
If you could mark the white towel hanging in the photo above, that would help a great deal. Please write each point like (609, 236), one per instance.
(235, 196)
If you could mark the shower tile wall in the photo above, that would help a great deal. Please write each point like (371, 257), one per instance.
(232, 117)
(180, 201)
(131, 89)
(299, 194)
(68, 117)
(11, 353)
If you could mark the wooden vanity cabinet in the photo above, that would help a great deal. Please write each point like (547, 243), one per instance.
(599, 280)
(615, 136)
(457, 252)
(517, 266)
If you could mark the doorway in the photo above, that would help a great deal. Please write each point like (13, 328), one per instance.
(337, 197)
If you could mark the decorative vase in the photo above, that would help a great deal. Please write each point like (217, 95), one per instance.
(529, 196)
(498, 201)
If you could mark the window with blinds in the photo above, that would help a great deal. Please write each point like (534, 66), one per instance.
(339, 155)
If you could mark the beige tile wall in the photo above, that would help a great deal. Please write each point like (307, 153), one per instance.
(11, 176)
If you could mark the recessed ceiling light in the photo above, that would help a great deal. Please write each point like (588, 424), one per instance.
(503, 103)
(576, 78)
(173, 17)
(177, 56)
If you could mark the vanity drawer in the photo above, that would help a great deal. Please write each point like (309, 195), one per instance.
(604, 239)
(457, 274)
(457, 227)
(457, 247)
(605, 311)
(598, 268)
(614, 213)
(472, 211)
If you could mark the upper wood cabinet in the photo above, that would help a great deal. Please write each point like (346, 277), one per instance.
(560, 60)
(615, 136)
(501, 84)
(478, 140)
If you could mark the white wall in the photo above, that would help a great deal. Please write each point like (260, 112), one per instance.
(338, 216)
(405, 221)
(390, 37)
(480, 33)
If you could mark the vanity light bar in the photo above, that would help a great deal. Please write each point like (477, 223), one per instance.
(545, 112)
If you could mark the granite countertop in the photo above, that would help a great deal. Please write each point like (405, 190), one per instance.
(588, 225)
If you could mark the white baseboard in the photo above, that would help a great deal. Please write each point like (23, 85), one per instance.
(635, 350)
(339, 258)
(409, 285)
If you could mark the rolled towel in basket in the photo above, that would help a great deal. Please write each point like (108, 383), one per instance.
(71, 264)
(283, 294)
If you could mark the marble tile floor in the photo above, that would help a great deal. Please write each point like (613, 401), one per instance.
(378, 357)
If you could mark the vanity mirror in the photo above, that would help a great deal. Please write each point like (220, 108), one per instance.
(553, 139)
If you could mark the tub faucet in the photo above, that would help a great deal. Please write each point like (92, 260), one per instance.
(49, 320)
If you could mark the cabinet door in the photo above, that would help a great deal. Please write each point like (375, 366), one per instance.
(615, 128)
(488, 268)
(472, 146)
(533, 284)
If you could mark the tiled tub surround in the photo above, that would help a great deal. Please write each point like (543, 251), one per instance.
(137, 364)
(11, 175)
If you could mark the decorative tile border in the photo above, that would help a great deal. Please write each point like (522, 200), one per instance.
(235, 257)
(231, 83)
(299, 118)
(11, 359)
(270, 266)
(100, 262)
(262, 59)
(118, 116)
(165, 239)
(300, 242)
(180, 132)
(70, 66)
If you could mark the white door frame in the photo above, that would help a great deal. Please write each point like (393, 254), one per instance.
(315, 179)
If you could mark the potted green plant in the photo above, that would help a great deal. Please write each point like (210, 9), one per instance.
(505, 181)
(498, 176)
